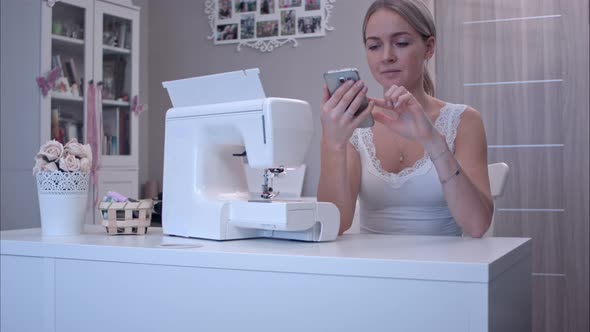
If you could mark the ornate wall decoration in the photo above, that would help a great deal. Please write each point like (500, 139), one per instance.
(267, 24)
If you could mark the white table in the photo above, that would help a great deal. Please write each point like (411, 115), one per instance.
(96, 282)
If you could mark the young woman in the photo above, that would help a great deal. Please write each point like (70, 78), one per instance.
(422, 169)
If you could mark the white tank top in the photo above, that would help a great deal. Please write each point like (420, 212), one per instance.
(411, 201)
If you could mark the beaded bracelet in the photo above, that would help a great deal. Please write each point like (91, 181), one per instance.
(446, 149)
(456, 173)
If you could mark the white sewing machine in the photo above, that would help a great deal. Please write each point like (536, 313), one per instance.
(217, 123)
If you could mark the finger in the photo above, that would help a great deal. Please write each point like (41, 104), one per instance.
(349, 96)
(387, 96)
(333, 100)
(387, 121)
(327, 104)
(379, 102)
(392, 95)
(363, 115)
(342, 90)
(404, 99)
(383, 118)
(388, 110)
(326, 94)
(356, 103)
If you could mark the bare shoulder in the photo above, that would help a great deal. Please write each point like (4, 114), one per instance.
(471, 124)
(471, 137)
(471, 115)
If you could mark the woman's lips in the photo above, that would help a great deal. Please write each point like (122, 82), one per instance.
(388, 73)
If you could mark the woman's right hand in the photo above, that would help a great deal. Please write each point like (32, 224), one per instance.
(338, 114)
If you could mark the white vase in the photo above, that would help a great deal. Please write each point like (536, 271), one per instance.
(63, 199)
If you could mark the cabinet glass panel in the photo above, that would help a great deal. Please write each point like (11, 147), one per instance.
(116, 85)
(67, 54)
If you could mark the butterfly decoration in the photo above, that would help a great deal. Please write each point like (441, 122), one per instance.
(47, 81)
(50, 3)
(137, 108)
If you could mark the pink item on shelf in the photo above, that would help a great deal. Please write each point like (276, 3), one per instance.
(47, 82)
(93, 130)
(136, 107)
(117, 197)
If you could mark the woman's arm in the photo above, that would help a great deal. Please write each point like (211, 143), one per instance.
(464, 175)
(340, 179)
(340, 169)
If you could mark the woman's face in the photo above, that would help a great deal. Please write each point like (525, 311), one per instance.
(396, 52)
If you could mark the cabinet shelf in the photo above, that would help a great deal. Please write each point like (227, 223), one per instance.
(115, 50)
(67, 46)
(66, 97)
(110, 102)
(66, 40)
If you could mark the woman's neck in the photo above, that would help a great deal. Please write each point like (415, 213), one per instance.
(424, 99)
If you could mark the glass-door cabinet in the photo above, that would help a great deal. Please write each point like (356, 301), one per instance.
(67, 51)
(96, 41)
(92, 41)
(116, 66)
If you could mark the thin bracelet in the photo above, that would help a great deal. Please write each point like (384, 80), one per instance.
(450, 177)
(440, 154)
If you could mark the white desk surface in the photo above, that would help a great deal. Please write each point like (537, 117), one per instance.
(441, 258)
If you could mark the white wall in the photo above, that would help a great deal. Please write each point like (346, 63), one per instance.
(178, 48)
(19, 111)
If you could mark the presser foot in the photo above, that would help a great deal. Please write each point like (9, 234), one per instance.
(267, 190)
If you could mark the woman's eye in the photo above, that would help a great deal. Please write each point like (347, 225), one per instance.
(402, 44)
(373, 47)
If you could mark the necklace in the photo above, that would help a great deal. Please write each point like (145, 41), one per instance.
(402, 157)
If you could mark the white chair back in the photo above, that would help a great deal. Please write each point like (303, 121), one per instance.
(498, 174)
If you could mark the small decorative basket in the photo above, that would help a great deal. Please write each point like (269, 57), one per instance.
(126, 217)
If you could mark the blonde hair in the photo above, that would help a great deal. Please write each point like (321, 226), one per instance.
(417, 15)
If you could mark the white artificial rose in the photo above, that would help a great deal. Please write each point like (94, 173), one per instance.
(50, 167)
(51, 151)
(42, 165)
(39, 164)
(69, 163)
(85, 165)
(77, 149)
(87, 152)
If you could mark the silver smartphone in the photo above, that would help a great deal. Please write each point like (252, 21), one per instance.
(335, 78)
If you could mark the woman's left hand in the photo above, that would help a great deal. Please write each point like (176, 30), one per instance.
(403, 114)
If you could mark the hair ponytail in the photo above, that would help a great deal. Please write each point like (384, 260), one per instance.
(428, 83)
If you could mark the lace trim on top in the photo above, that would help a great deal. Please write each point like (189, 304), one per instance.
(447, 123)
(62, 183)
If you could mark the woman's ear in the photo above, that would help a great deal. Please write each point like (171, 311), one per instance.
(430, 47)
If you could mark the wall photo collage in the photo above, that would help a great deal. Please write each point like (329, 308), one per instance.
(245, 21)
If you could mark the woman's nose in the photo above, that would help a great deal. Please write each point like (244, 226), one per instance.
(389, 54)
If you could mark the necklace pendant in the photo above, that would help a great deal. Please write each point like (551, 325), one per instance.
(401, 158)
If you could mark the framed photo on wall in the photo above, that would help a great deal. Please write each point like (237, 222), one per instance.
(267, 24)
